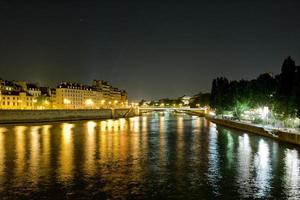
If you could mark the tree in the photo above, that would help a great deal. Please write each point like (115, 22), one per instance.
(286, 82)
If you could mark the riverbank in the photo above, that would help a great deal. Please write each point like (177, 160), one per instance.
(288, 137)
(29, 116)
(292, 138)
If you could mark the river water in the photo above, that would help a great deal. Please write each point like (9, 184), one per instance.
(154, 156)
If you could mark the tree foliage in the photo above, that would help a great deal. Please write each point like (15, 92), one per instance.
(280, 93)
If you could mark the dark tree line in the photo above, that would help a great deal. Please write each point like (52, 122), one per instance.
(281, 93)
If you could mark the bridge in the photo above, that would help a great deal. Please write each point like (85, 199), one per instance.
(201, 110)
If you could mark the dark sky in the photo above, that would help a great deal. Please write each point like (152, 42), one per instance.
(151, 49)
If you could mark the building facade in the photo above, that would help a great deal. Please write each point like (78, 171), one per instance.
(67, 95)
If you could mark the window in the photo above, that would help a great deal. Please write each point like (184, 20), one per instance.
(8, 103)
(3, 103)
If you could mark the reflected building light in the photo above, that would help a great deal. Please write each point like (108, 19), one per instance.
(103, 125)
(110, 124)
(229, 152)
(90, 147)
(46, 147)
(292, 172)
(180, 127)
(20, 149)
(116, 125)
(244, 166)
(135, 124)
(122, 123)
(91, 127)
(66, 153)
(103, 144)
(213, 160)
(196, 123)
(2, 152)
(34, 153)
(144, 124)
(161, 123)
(263, 169)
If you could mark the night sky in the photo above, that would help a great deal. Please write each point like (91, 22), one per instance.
(151, 49)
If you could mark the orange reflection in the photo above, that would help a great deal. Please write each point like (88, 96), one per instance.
(46, 147)
(144, 124)
(34, 154)
(134, 124)
(90, 147)
(66, 153)
(20, 149)
(122, 124)
(162, 140)
(2, 152)
(180, 139)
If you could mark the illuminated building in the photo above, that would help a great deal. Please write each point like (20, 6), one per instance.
(78, 96)
(16, 100)
(67, 95)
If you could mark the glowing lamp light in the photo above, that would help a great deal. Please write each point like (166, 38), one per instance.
(103, 101)
(212, 113)
(67, 101)
(89, 102)
(263, 112)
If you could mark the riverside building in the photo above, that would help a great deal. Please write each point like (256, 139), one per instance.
(67, 95)
(13, 96)
(70, 95)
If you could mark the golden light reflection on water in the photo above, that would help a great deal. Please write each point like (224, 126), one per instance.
(162, 139)
(180, 140)
(90, 147)
(20, 149)
(34, 154)
(134, 124)
(153, 151)
(66, 160)
(46, 150)
(144, 124)
(2, 152)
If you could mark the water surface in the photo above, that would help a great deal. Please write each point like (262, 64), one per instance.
(159, 155)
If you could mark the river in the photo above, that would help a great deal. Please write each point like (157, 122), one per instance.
(158, 155)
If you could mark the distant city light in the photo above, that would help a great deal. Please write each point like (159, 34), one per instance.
(67, 101)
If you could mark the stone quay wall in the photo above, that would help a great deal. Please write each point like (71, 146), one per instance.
(28, 116)
(288, 137)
